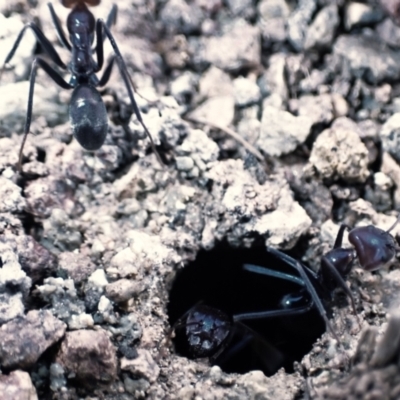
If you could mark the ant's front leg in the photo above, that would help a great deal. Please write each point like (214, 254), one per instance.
(44, 42)
(57, 78)
(100, 28)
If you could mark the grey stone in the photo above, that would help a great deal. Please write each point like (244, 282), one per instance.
(338, 153)
(63, 298)
(314, 80)
(246, 92)
(123, 264)
(43, 195)
(389, 32)
(390, 136)
(217, 108)
(57, 377)
(123, 290)
(273, 31)
(136, 386)
(17, 385)
(215, 82)
(89, 356)
(321, 32)
(238, 196)
(239, 46)
(271, 9)
(11, 198)
(298, 22)
(11, 306)
(143, 365)
(379, 194)
(359, 14)
(179, 16)
(25, 339)
(319, 109)
(281, 132)
(61, 232)
(273, 80)
(183, 87)
(368, 57)
(184, 163)
(272, 21)
(11, 273)
(243, 8)
(77, 266)
(199, 147)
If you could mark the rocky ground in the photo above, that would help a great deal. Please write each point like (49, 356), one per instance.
(276, 120)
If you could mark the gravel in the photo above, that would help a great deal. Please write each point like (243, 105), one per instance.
(91, 242)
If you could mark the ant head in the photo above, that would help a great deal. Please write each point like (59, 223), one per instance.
(206, 330)
(375, 248)
(71, 3)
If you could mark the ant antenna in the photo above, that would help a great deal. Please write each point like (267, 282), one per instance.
(394, 225)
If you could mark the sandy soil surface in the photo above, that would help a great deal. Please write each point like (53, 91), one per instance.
(276, 121)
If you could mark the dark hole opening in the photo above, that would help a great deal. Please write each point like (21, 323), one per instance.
(217, 279)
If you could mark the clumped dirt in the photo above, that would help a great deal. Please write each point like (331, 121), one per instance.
(277, 121)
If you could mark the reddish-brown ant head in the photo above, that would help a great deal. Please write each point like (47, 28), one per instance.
(71, 3)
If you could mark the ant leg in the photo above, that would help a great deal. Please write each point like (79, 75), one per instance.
(60, 32)
(326, 263)
(125, 77)
(111, 20)
(57, 78)
(272, 313)
(107, 73)
(395, 223)
(112, 17)
(339, 237)
(309, 286)
(48, 47)
(270, 272)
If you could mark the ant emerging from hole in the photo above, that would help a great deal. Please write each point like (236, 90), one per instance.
(87, 112)
(209, 330)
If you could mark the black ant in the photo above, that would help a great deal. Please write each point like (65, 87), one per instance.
(209, 330)
(373, 247)
(87, 112)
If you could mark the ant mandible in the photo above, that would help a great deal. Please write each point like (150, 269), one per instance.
(87, 112)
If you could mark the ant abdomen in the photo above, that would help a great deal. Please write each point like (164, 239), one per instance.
(88, 117)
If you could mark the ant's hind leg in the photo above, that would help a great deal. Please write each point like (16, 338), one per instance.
(57, 78)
